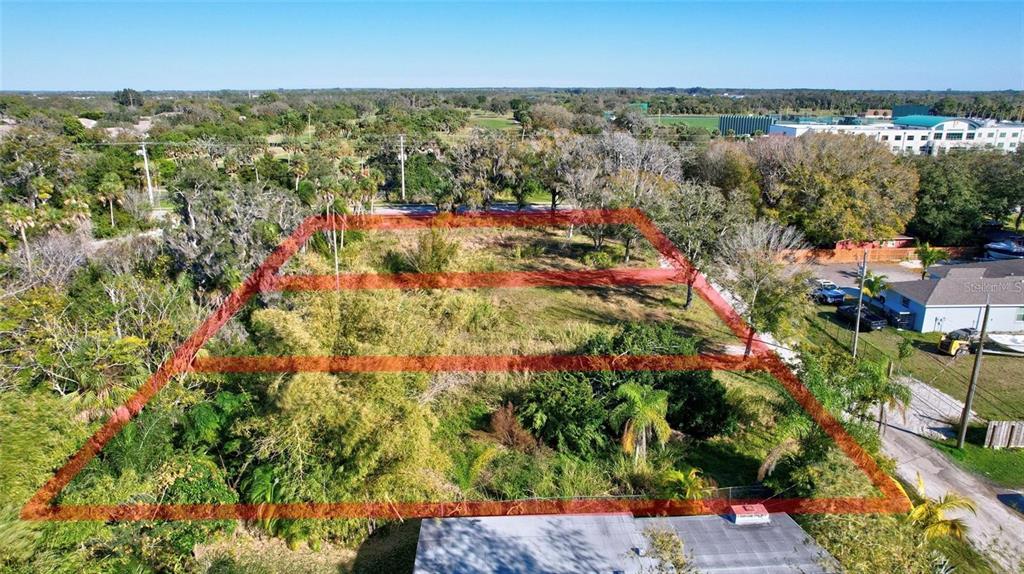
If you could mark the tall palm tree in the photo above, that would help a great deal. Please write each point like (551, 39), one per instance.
(874, 284)
(641, 415)
(931, 514)
(929, 256)
(300, 168)
(110, 191)
(18, 219)
(369, 183)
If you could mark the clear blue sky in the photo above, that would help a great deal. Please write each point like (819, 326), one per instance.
(191, 45)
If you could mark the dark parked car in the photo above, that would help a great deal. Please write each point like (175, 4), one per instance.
(898, 319)
(869, 321)
(824, 296)
(901, 319)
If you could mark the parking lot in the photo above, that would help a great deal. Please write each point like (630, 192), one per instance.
(846, 274)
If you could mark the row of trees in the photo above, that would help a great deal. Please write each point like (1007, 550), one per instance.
(1006, 105)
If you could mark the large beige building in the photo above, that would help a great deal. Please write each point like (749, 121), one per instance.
(922, 135)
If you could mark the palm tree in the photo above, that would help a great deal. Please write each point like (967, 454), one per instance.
(929, 256)
(640, 415)
(874, 284)
(19, 219)
(110, 191)
(75, 205)
(688, 485)
(300, 168)
(931, 514)
(369, 183)
(889, 395)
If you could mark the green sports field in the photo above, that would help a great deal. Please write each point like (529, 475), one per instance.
(707, 122)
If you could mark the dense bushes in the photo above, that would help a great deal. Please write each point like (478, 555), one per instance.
(563, 410)
(570, 411)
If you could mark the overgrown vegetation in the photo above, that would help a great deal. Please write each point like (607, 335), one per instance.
(98, 285)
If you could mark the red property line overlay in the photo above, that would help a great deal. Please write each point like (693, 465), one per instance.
(266, 278)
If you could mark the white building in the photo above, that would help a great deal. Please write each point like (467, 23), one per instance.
(922, 135)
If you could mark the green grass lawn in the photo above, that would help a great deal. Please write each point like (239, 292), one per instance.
(1000, 392)
(707, 122)
(492, 122)
(1004, 467)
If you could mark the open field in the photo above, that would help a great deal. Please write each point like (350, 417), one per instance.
(707, 122)
(492, 121)
(1004, 467)
(1000, 392)
(512, 320)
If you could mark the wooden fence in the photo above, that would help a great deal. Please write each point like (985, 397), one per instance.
(875, 255)
(1005, 434)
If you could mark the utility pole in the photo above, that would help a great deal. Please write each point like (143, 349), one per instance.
(149, 180)
(965, 417)
(401, 159)
(860, 302)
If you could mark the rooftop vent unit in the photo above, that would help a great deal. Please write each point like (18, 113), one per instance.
(745, 514)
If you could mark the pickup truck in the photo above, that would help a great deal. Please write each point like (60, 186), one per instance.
(869, 321)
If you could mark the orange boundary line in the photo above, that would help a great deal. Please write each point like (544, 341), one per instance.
(474, 280)
(474, 363)
(265, 278)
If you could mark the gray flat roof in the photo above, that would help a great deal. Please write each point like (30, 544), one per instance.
(715, 544)
(988, 269)
(611, 543)
(960, 289)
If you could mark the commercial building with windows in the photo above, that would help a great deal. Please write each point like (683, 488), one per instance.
(922, 135)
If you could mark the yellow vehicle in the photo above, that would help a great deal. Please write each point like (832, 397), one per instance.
(959, 342)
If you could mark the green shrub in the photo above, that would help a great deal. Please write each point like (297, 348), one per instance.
(434, 252)
(697, 401)
(598, 260)
(562, 410)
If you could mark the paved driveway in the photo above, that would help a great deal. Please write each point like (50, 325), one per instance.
(997, 529)
(847, 275)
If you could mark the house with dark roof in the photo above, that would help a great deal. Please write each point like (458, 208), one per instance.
(954, 297)
(616, 544)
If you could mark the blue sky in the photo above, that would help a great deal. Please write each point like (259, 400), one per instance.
(47, 45)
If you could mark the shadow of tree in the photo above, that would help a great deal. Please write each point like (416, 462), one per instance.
(390, 549)
(723, 462)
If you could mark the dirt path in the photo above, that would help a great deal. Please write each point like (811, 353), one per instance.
(996, 530)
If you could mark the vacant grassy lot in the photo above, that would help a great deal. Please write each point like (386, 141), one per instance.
(707, 122)
(516, 320)
(1000, 392)
(492, 121)
(1003, 467)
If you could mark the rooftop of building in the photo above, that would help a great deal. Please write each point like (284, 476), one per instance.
(987, 269)
(903, 123)
(964, 287)
(612, 543)
(924, 121)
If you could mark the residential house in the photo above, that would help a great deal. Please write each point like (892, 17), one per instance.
(954, 297)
